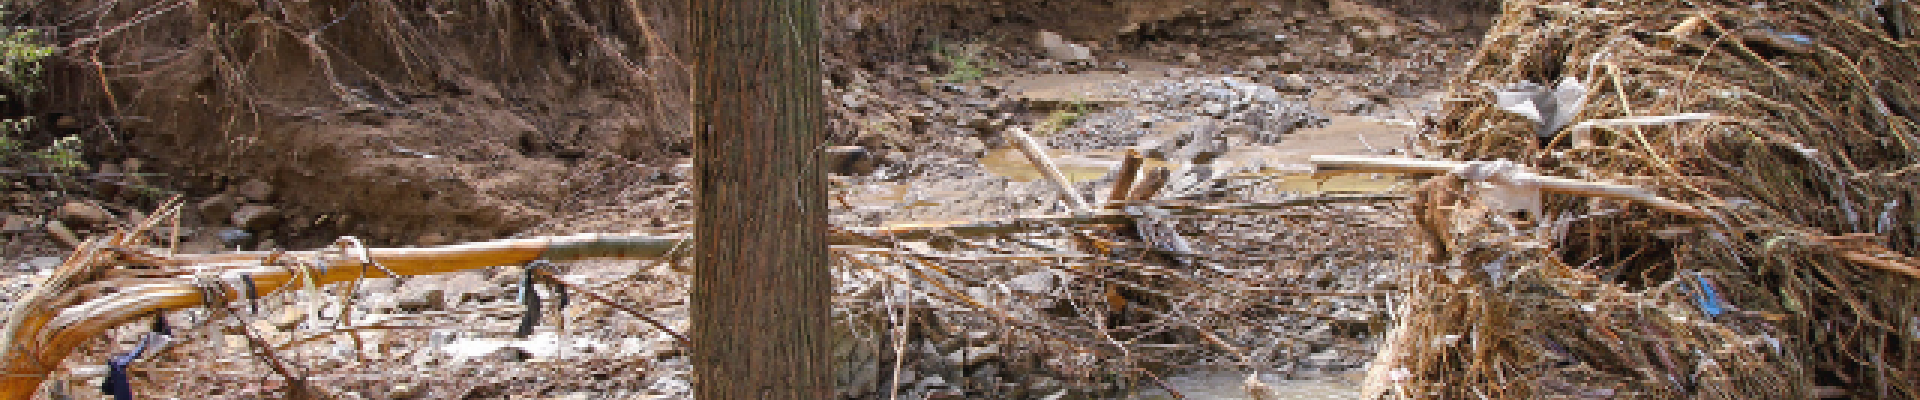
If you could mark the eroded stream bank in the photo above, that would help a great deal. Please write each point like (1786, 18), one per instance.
(479, 140)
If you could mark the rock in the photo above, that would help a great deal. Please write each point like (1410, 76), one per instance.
(1040, 282)
(46, 262)
(287, 320)
(987, 373)
(969, 145)
(255, 216)
(851, 160)
(1258, 390)
(405, 391)
(1059, 49)
(255, 190)
(60, 232)
(967, 356)
(1356, 12)
(1216, 110)
(427, 300)
(508, 354)
(431, 239)
(217, 207)
(1292, 84)
(84, 215)
(16, 223)
(234, 238)
(1259, 63)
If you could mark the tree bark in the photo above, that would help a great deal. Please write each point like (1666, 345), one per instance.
(762, 287)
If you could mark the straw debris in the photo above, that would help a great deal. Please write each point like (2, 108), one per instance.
(1796, 285)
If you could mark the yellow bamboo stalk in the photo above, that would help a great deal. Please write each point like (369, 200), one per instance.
(50, 331)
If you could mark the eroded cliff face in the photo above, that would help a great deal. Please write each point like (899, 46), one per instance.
(388, 119)
(425, 122)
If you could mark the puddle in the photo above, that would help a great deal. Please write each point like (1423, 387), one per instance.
(1344, 135)
(1082, 167)
(1288, 163)
(1232, 386)
(1077, 166)
(1347, 183)
(1285, 165)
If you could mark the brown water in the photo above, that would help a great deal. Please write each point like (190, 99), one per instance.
(1287, 163)
(1233, 386)
(1077, 166)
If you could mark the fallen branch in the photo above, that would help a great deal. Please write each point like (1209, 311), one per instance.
(590, 295)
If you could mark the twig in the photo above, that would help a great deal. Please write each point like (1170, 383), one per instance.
(684, 341)
(297, 384)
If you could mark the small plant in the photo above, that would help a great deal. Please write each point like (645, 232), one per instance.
(1063, 118)
(965, 63)
(20, 56)
(62, 155)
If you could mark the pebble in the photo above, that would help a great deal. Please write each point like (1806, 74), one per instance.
(45, 262)
(254, 216)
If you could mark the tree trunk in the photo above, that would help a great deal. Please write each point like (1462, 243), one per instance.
(762, 287)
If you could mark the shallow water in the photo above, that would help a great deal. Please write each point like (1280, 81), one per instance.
(1232, 386)
(1285, 165)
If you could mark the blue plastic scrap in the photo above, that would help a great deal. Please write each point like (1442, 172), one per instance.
(1708, 298)
(117, 384)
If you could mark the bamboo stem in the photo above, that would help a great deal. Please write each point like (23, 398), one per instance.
(1038, 156)
(1123, 186)
(52, 330)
